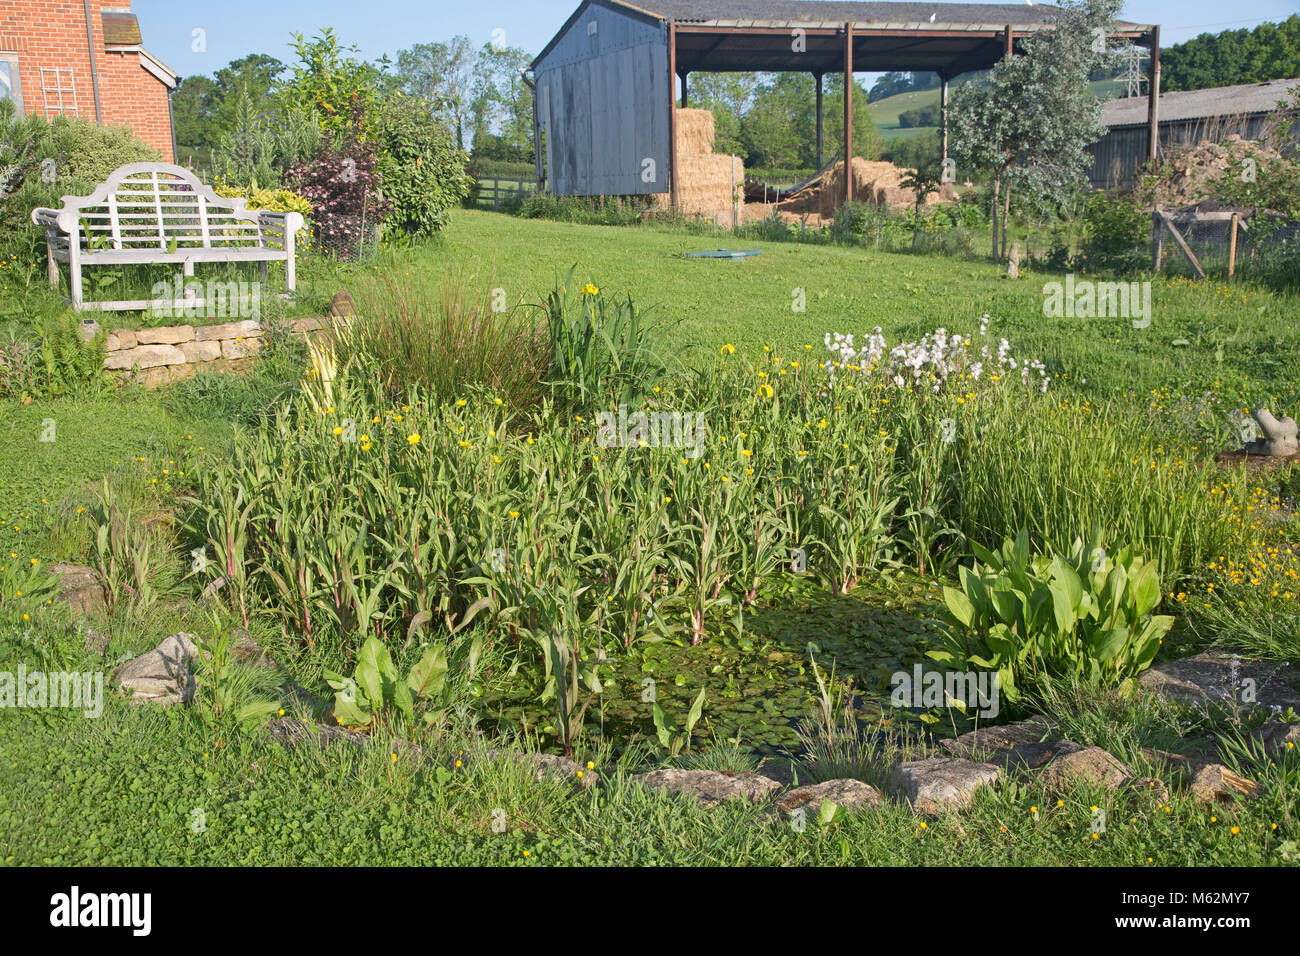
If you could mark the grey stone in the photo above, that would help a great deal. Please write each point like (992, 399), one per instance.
(551, 767)
(940, 783)
(1209, 677)
(1278, 738)
(1003, 737)
(246, 329)
(88, 330)
(165, 335)
(200, 351)
(96, 642)
(342, 306)
(292, 732)
(162, 675)
(709, 788)
(1215, 783)
(247, 651)
(847, 793)
(1090, 766)
(144, 357)
(240, 348)
(80, 589)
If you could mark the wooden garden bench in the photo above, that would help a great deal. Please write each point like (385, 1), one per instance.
(159, 213)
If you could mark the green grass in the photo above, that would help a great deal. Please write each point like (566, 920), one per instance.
(1238, 337)
(92, 437)
(128, 788)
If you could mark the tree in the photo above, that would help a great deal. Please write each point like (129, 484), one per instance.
(193, 106)
(729, 97)
(502, 101)
(1030, 126)
(442, 75)
(1271, 51)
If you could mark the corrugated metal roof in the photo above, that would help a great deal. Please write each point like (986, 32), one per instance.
(121, 29)
(808, 12)
(1194, 104)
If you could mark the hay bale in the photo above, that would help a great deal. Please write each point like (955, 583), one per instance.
(695, 132)
(705, 186)
(875, 182)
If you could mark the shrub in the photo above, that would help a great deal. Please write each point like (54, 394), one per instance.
(276, 200)
(422, 170)
(342, 184)
(82, 155)
(262, 145)
(1116, 236)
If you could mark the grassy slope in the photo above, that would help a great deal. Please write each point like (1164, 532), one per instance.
(749, 303)
(884, 113)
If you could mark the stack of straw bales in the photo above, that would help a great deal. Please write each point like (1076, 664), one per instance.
(875, 182)
(707, 182)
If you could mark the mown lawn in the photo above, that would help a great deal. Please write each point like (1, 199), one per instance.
(1239, 342)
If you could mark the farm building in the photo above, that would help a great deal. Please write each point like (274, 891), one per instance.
(610, 86)
(1185, 118)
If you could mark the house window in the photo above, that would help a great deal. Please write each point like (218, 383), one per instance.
(10, 88)
(59, 91)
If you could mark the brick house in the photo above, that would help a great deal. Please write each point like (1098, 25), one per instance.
(85, 58)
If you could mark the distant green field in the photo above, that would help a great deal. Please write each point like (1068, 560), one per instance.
(884, 112)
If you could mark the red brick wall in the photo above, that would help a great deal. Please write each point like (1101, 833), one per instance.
(52, 33)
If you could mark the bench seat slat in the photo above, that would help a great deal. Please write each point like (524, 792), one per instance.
(128, 256)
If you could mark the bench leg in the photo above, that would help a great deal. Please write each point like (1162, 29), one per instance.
(74, 270)
(51, 267)
(290, 272)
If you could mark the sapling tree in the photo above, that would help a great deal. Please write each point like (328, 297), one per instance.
(1030, 126)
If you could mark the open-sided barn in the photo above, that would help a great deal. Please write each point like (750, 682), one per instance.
(607, 83)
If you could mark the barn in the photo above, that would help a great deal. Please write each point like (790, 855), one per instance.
(609, 85)
(1184, 118)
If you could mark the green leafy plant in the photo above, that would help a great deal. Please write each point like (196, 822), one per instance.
(377, 689)
(673, 738)
(1085, 616)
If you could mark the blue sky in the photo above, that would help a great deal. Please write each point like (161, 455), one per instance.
(234, 28)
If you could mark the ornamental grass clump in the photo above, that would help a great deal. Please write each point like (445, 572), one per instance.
(444, 337)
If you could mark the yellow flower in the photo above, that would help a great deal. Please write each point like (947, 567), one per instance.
(765, 391)
(460, 403)
(727, 349)
(338, 430)
(413, 438)
(590, 289)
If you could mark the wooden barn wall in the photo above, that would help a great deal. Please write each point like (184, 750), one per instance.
(1119, 154)
(603, 102)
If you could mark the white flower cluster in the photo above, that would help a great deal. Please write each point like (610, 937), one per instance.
(930, 362)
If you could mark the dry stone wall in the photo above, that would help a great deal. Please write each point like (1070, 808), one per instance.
(158, 356)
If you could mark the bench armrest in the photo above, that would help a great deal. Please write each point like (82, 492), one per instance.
(43, 216)
(288, 221)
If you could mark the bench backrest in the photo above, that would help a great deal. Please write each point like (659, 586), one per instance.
(153, 205)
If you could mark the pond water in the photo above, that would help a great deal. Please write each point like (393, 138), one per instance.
(759, 678)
